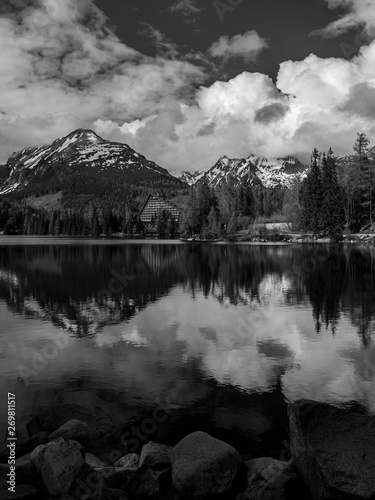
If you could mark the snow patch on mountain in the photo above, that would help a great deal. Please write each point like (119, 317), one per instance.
(75, 153)
(253, 171)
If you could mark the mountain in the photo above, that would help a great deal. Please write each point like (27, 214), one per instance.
(253, 171)
(191, 178)
(81, 157)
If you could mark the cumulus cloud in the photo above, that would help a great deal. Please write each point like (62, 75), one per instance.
(361, 101)
(314, 102)
(358, 13)
(271, 112)
(63, 68)
(247, 46)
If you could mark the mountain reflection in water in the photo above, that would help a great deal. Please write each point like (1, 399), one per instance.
(225, 334)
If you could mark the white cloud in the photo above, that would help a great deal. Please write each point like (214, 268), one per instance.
(313, 103)
(247, 46)
(62, 68)
(358, 13)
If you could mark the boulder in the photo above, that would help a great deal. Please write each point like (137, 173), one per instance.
(131, 460)
(25, 470)
(115, 477)
(333, 450)
(59, 463)
(90, 485)
(94, 461)
(118, 494)
(203, 465)
(65, 472)
(73, 429)
(37, 454)
(29, 445)
(100, 423)
(269, 479)
(119, 475)
(155, 455)
(151, 483)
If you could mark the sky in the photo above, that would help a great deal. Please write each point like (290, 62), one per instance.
(185, 82)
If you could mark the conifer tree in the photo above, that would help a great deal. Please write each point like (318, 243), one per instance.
(332, 214)
(359, 184)
(311, 196)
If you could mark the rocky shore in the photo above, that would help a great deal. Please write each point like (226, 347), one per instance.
(77, 453)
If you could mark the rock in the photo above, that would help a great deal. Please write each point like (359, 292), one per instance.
(25, 470)
(155, 455)
(118, 475)
(334, 450)
(269, 479)
(118, 494)
(60, 464)
(90, 485)
(37, 454)
(100, 423)
(65, 472)
(150, 482)
(203, 465)
(73, 429)
(29, 445)
(22, 491)
(131, 460)
(94, 461)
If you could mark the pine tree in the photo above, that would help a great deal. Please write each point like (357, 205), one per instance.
(332, 213)
(359, 184)
(311, 196)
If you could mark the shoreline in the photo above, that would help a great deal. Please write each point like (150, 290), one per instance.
(77, 452)
(283, 239)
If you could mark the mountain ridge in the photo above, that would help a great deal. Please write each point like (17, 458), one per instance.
(252, 170)
(80, 152)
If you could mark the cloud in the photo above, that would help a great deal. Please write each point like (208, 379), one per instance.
(207, 129)
(162, 43)
(188, 8)
(358, 13)
(247, 46)
(361, 101)
(63, 68)
(316, 102)
(271, 112)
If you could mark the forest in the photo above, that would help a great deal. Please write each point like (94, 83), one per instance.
(336, 195)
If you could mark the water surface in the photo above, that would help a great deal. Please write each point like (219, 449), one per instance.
(224, 335)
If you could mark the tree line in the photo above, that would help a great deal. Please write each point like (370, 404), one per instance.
(337, 194)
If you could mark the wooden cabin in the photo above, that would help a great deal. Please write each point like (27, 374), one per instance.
(156, 208)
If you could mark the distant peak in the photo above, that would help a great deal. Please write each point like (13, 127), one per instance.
(83, 132)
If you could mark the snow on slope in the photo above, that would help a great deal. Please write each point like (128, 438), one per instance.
(80, 150)
(252, 170)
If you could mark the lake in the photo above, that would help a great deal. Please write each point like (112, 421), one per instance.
(223, 335)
